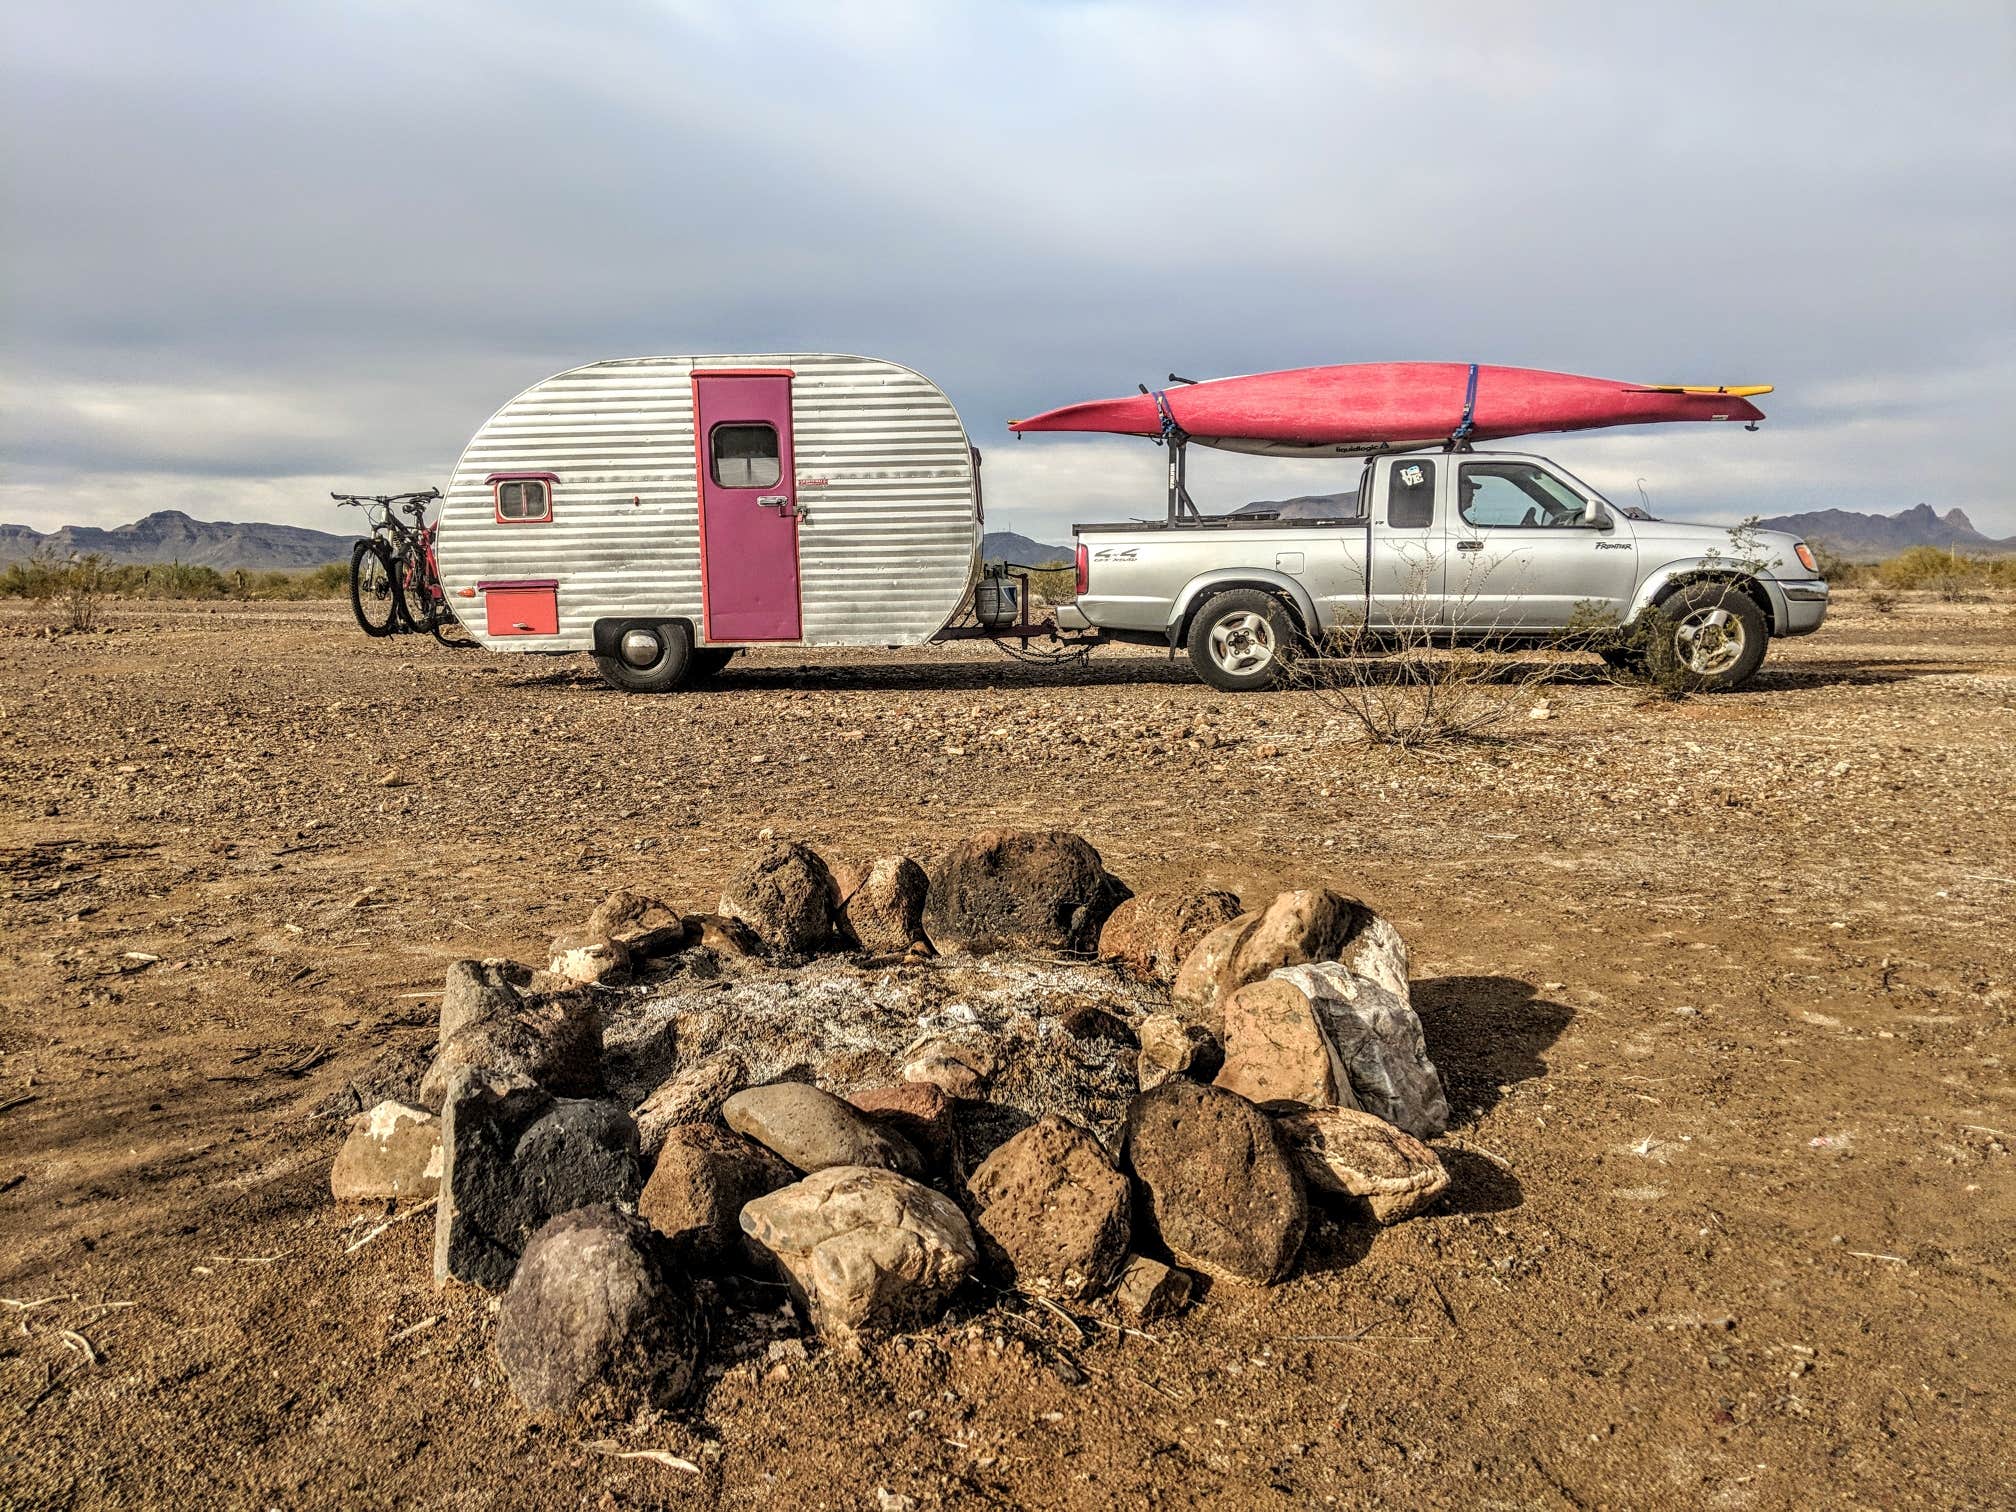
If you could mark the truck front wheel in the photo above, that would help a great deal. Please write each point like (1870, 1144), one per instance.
(1708, 638)
(1240, 640)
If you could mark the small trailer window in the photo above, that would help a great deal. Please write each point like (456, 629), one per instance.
(745, 456)
(523, 498)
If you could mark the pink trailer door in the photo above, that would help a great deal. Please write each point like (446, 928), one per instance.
(748, 506)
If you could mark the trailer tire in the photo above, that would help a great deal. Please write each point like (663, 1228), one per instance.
(708, 660)
(1240, 640)
(635, 669)
(1707, 638)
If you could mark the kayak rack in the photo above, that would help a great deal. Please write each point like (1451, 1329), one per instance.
(1181, 506)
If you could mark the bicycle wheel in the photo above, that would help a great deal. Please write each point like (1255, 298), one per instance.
(374, 595)
(419, 608)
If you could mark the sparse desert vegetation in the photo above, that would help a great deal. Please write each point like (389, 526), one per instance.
(1720, 990)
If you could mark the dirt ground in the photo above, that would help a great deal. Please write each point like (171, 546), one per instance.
(1722, 991)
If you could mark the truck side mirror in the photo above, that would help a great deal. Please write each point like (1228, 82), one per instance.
(1598, 515)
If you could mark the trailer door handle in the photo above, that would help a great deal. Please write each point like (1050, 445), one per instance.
(772, 501)
(1469, 545)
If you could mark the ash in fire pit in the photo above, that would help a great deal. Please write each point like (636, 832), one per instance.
(801, 1085)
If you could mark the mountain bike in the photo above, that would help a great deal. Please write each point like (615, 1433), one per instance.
(395, 581)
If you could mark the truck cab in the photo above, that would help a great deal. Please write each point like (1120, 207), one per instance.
(1479, 547)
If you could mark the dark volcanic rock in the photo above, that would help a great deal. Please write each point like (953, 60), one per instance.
(1215, 1182)
(514, 1156)
(1044, 891)
(478, 989)
(788, 897)
(1051, 1212)
(597, 1319)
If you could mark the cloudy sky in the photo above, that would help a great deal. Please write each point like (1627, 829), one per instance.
(255, 252)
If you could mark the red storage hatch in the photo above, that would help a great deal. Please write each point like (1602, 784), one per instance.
(523, 608)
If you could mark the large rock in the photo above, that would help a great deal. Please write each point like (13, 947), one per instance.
(787, 896)
(1314, 924)
(551, 1040)
(958, 1065)
(587, 958)
(1277, 1048)
(704, 1177)
(918, 1112)
(644, 925)
(393, 1151)
(1378, 1039)
(1172, 1047)
(514, 1156)
(597, 1319)
(1353, 1154)
(1040, 891)
(693, 1095)
(813, 1129)
(1215, 1182)
(865, 1250)
(884, 906)
(1051, 1212)
(478, 989)
(1152, 934)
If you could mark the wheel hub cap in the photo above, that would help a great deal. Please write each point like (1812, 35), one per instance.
(640, 648)
(1710, 641)
(1242, 642)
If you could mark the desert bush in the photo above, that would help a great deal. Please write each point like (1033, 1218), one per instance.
(1946, 573)
(1882, 600)
(76, 587)
(1836, 568)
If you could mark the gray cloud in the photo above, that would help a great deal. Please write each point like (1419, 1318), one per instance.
(253, 249)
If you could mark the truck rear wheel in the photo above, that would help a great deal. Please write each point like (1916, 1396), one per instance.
(1240, 640)
(647, 656)
(1708, 638)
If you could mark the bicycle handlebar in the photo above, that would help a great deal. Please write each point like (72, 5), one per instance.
(422, 497)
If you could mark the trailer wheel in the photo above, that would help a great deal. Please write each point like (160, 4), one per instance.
(708, 660)
(1708, 638)
(647, 656)
(1240, 640)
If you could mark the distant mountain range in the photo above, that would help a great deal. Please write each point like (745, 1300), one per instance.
(1872, 537)
(172, 536)
(1007, 546)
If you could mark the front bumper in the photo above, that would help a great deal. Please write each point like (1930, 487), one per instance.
(1805, 606)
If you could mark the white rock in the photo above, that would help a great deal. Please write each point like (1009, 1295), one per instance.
(1377, 1036)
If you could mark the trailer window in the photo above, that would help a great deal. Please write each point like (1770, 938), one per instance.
(522, 498)
(745, 456)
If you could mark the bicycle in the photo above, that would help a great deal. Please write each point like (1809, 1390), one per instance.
(395, 580)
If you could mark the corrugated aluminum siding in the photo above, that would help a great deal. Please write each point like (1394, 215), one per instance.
(889, 529)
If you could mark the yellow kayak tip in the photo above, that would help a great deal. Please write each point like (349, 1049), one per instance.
(1729, 391)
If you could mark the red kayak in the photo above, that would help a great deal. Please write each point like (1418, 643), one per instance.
(1377, 406)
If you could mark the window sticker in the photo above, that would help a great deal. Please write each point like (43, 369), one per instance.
(1411, 475)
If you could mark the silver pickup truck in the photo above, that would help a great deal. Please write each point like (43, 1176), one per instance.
(1494, 547)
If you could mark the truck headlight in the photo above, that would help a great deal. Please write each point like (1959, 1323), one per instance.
(1805, 555)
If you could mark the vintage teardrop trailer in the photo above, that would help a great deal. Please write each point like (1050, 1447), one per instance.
(664, 512)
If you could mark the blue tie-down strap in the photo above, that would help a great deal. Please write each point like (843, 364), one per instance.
(1462, 431)
(1170, 429)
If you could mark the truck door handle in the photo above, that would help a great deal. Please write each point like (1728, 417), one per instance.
(1469, 545)
(772, 501)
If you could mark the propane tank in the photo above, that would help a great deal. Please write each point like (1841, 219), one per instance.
(994, 600)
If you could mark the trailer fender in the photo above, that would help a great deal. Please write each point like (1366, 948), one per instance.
(1219, 579)
(1671, 578)
(609, 631)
